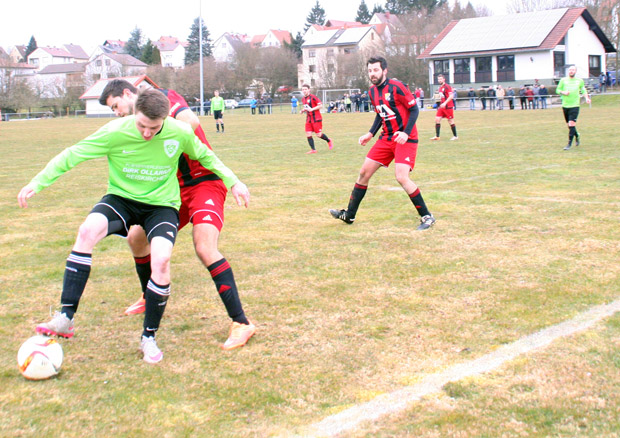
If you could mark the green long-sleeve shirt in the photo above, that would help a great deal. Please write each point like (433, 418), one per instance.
(217, 104)
(575, 87)
(141, 170)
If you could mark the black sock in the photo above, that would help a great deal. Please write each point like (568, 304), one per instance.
(453, 130)
(217, 126)
(311, 142)
(76, 275)
(156, 297)
(418, 202)
(355, 200)
(437, 129)
(324, 137)
(571, 133)
(224, 280)
(143, 268)
(222, 127)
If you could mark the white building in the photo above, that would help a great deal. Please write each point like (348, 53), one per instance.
(92, 95)
(41, 57)
(172, 51)
(518, 49)
(226, 46)
(110, 65)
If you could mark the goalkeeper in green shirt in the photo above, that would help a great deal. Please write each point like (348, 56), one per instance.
(217, 106)
(143, 154)
(570, 90)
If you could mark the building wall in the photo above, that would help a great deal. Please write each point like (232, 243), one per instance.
(174, 58)
(534, 65)
(580, 43)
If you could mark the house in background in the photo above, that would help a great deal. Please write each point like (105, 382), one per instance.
(41, 57)
(110, 65)
(18, 54)
(172, 51)
(92, 95)
(225, 48)
(56, 80)
(108, 46)
(518, 49)
(273, 38)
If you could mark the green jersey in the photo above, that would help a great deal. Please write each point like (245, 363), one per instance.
(138, 169)
(217, 104)
(576, 89)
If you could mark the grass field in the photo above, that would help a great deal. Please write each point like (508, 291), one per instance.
(527, 236)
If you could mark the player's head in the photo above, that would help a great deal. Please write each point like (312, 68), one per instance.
(120, 96)
(152, 108)
(216, 93)
(305, 90)
(441, 79)
(572, 71)
(377, 69)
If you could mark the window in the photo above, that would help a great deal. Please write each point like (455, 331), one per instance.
(442, 67)
(223, 45)
(594, 64)
(505, 68)
(349, 50)
(98, 63)
(312, 68)
(330, 52)
(107, 62)
(559, 61)
(312, 83)
(483, 69)
(461, 71)
(330, 68)
(311, 53)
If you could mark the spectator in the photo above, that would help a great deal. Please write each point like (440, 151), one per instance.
(253, 103)
(483, 98)
(500, 97)
(536, 90)
(603, 82)
(269, 104)
(529, 93)
(472, 98)
(523, 97)
(293, 105)
(347, 103)
(542, 91)
(421, 99)
(417, 96)
(365, 102)
(511, 97)
(492, 96)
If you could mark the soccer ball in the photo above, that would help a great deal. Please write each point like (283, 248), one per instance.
(39, 358)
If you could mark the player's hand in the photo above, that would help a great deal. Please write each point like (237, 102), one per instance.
(365, 139)
(400, 137)
(26, 193)
(588, 100)
(240, 191)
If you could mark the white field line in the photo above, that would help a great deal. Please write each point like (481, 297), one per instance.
(401, 399)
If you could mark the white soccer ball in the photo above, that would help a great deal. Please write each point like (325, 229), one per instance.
(40, 357)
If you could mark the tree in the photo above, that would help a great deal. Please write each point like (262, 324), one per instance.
(156, 56)
(377, 9)
(134, 45)
(192, 53)
(147, 52)
(277, 66)
(316, 16)
(518, 6)
(32, 46)
(401, 7)
(363, 14)
(295, 45)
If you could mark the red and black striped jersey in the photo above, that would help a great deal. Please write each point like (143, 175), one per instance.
(190, 172)
(310, 102)
(445, 91)
(392, 101)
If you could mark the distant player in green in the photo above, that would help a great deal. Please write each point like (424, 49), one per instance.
(217, 106)
(143, 153)
(571, 89)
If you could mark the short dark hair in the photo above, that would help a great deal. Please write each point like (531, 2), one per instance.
(115, 88)
(441, 75)
(153, 104)
(380, 59)
(305, 86)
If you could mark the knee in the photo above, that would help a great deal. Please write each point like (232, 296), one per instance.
(88, 235)
(160, 264)
(403, 178)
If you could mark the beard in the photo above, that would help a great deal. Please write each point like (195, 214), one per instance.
(377, 80)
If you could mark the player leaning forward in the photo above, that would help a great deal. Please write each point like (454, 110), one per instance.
(143, 153)
(397, 113)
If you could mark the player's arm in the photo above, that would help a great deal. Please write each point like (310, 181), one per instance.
(584, 92)
(189, 117)
(372, 131)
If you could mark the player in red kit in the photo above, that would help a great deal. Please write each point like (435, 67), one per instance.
(445, 110)
(397, 113)
(203, 195)
(311, 105)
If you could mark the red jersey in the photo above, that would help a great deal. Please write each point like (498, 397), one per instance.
(445, 91)
(310, 102)
(392, 101)
(190, 172)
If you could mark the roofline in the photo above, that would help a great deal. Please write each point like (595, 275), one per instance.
(140, 79)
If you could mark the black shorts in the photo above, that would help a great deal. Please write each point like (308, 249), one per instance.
(571, 114)
(122, 213)
(217, 114)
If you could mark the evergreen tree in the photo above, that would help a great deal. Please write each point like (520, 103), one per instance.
(363, 14)
(316, 16)
(147, 52)
(192, 52)
(32, 46)
(134, 45)
(377, 9)
(401, 7)
(295, 45)
(156, 56)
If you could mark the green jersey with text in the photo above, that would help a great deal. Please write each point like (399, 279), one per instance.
(217, 104)
(575, 87)
(138, 169)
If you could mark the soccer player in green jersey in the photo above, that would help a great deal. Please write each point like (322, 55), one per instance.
(143, 154)
(571, 89)
(217, 106)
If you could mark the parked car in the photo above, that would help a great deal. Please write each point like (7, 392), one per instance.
(230, 103)
(284, 89)
(244, 103)
(297, 94)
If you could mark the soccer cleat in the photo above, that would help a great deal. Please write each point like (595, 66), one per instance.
(577, 139)
(331, 144)
(152, 353)
(239, 335)
(60, 325)
(568, 146)
(435, 138)
(312, 151)
(137, 307)
(426, 222)
(342, 215)
(454, 138)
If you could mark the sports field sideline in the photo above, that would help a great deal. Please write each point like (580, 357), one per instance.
(527, 237)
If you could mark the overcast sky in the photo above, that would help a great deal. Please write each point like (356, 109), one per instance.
(87, 23)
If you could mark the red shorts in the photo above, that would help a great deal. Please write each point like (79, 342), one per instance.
(203, 204)
(446, 113)
(314, 126)
(384, 151)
